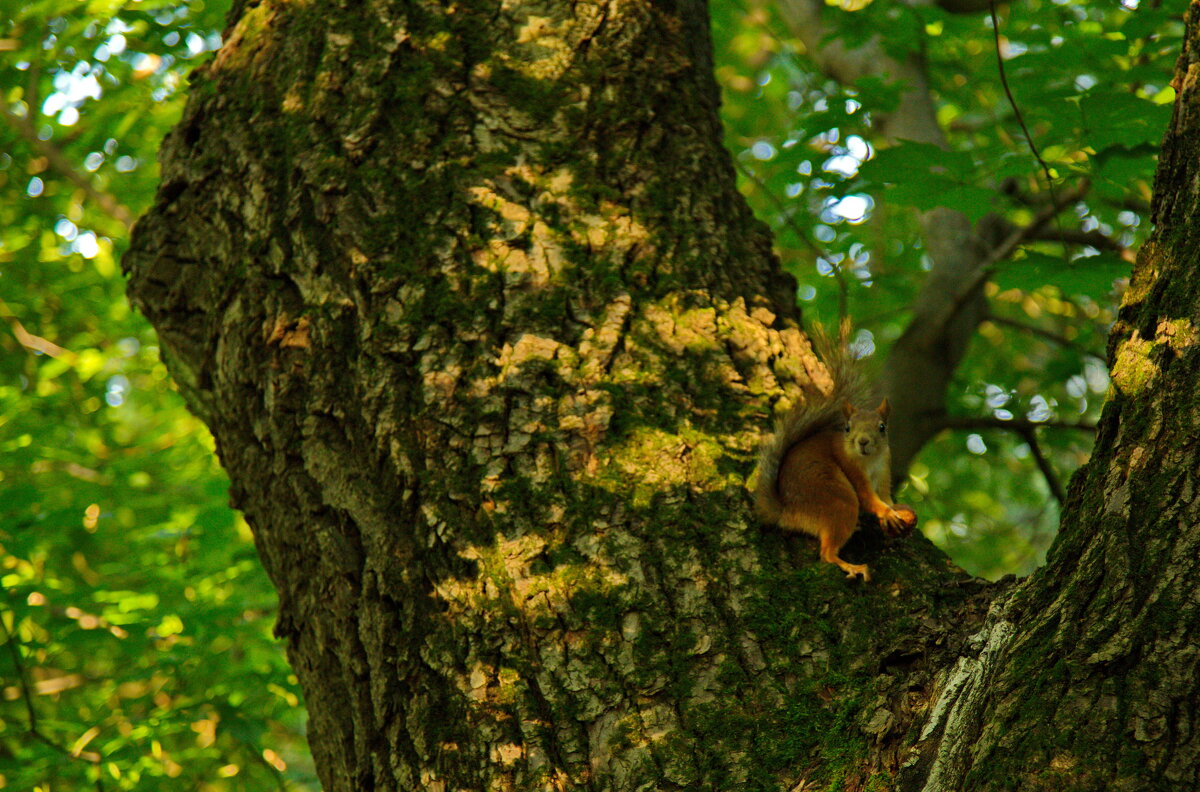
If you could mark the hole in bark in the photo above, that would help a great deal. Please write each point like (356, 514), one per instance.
(191, 134)
(172, 190)
(899, 660)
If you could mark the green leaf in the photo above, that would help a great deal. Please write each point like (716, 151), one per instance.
(910, 161)
(1113, 119)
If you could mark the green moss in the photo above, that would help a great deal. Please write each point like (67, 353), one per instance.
(539, 98)
(880, 782)
(804, 732)
(601, 609)
(1132, 369)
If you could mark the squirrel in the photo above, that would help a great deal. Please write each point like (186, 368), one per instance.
(829, 460)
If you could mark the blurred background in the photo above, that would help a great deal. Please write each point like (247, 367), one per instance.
(136, 622)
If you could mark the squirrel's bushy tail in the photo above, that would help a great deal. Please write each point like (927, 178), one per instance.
(818, 412)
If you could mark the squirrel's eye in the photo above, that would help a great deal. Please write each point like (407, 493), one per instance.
(882, 427)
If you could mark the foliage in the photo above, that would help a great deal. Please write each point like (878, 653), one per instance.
(136, 618)
(1091, 82)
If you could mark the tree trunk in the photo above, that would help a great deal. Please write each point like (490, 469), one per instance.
(487, 339)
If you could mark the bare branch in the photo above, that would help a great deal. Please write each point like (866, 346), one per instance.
(1052, 480)
(1077, 236)
(1018, 425)
(1047, 335)
(1006, 248)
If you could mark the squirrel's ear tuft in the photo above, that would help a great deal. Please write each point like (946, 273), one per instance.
(847, 409)
(884, 409)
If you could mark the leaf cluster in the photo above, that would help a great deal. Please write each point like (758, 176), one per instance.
(136, 620)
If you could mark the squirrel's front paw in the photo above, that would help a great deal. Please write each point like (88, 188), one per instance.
(899, 520)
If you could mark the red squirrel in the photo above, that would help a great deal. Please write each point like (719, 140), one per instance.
(829, 460)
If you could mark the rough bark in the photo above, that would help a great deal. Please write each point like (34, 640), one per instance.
(486, 339)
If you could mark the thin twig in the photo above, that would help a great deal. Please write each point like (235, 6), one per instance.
(1056, 487)
(1013, 102)
(10, 640)
(1028, 432)
(1017, 112)
(785, 214)
(59, 162)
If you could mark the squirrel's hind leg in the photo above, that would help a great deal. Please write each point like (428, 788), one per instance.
(831, 543)
(833, 525)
